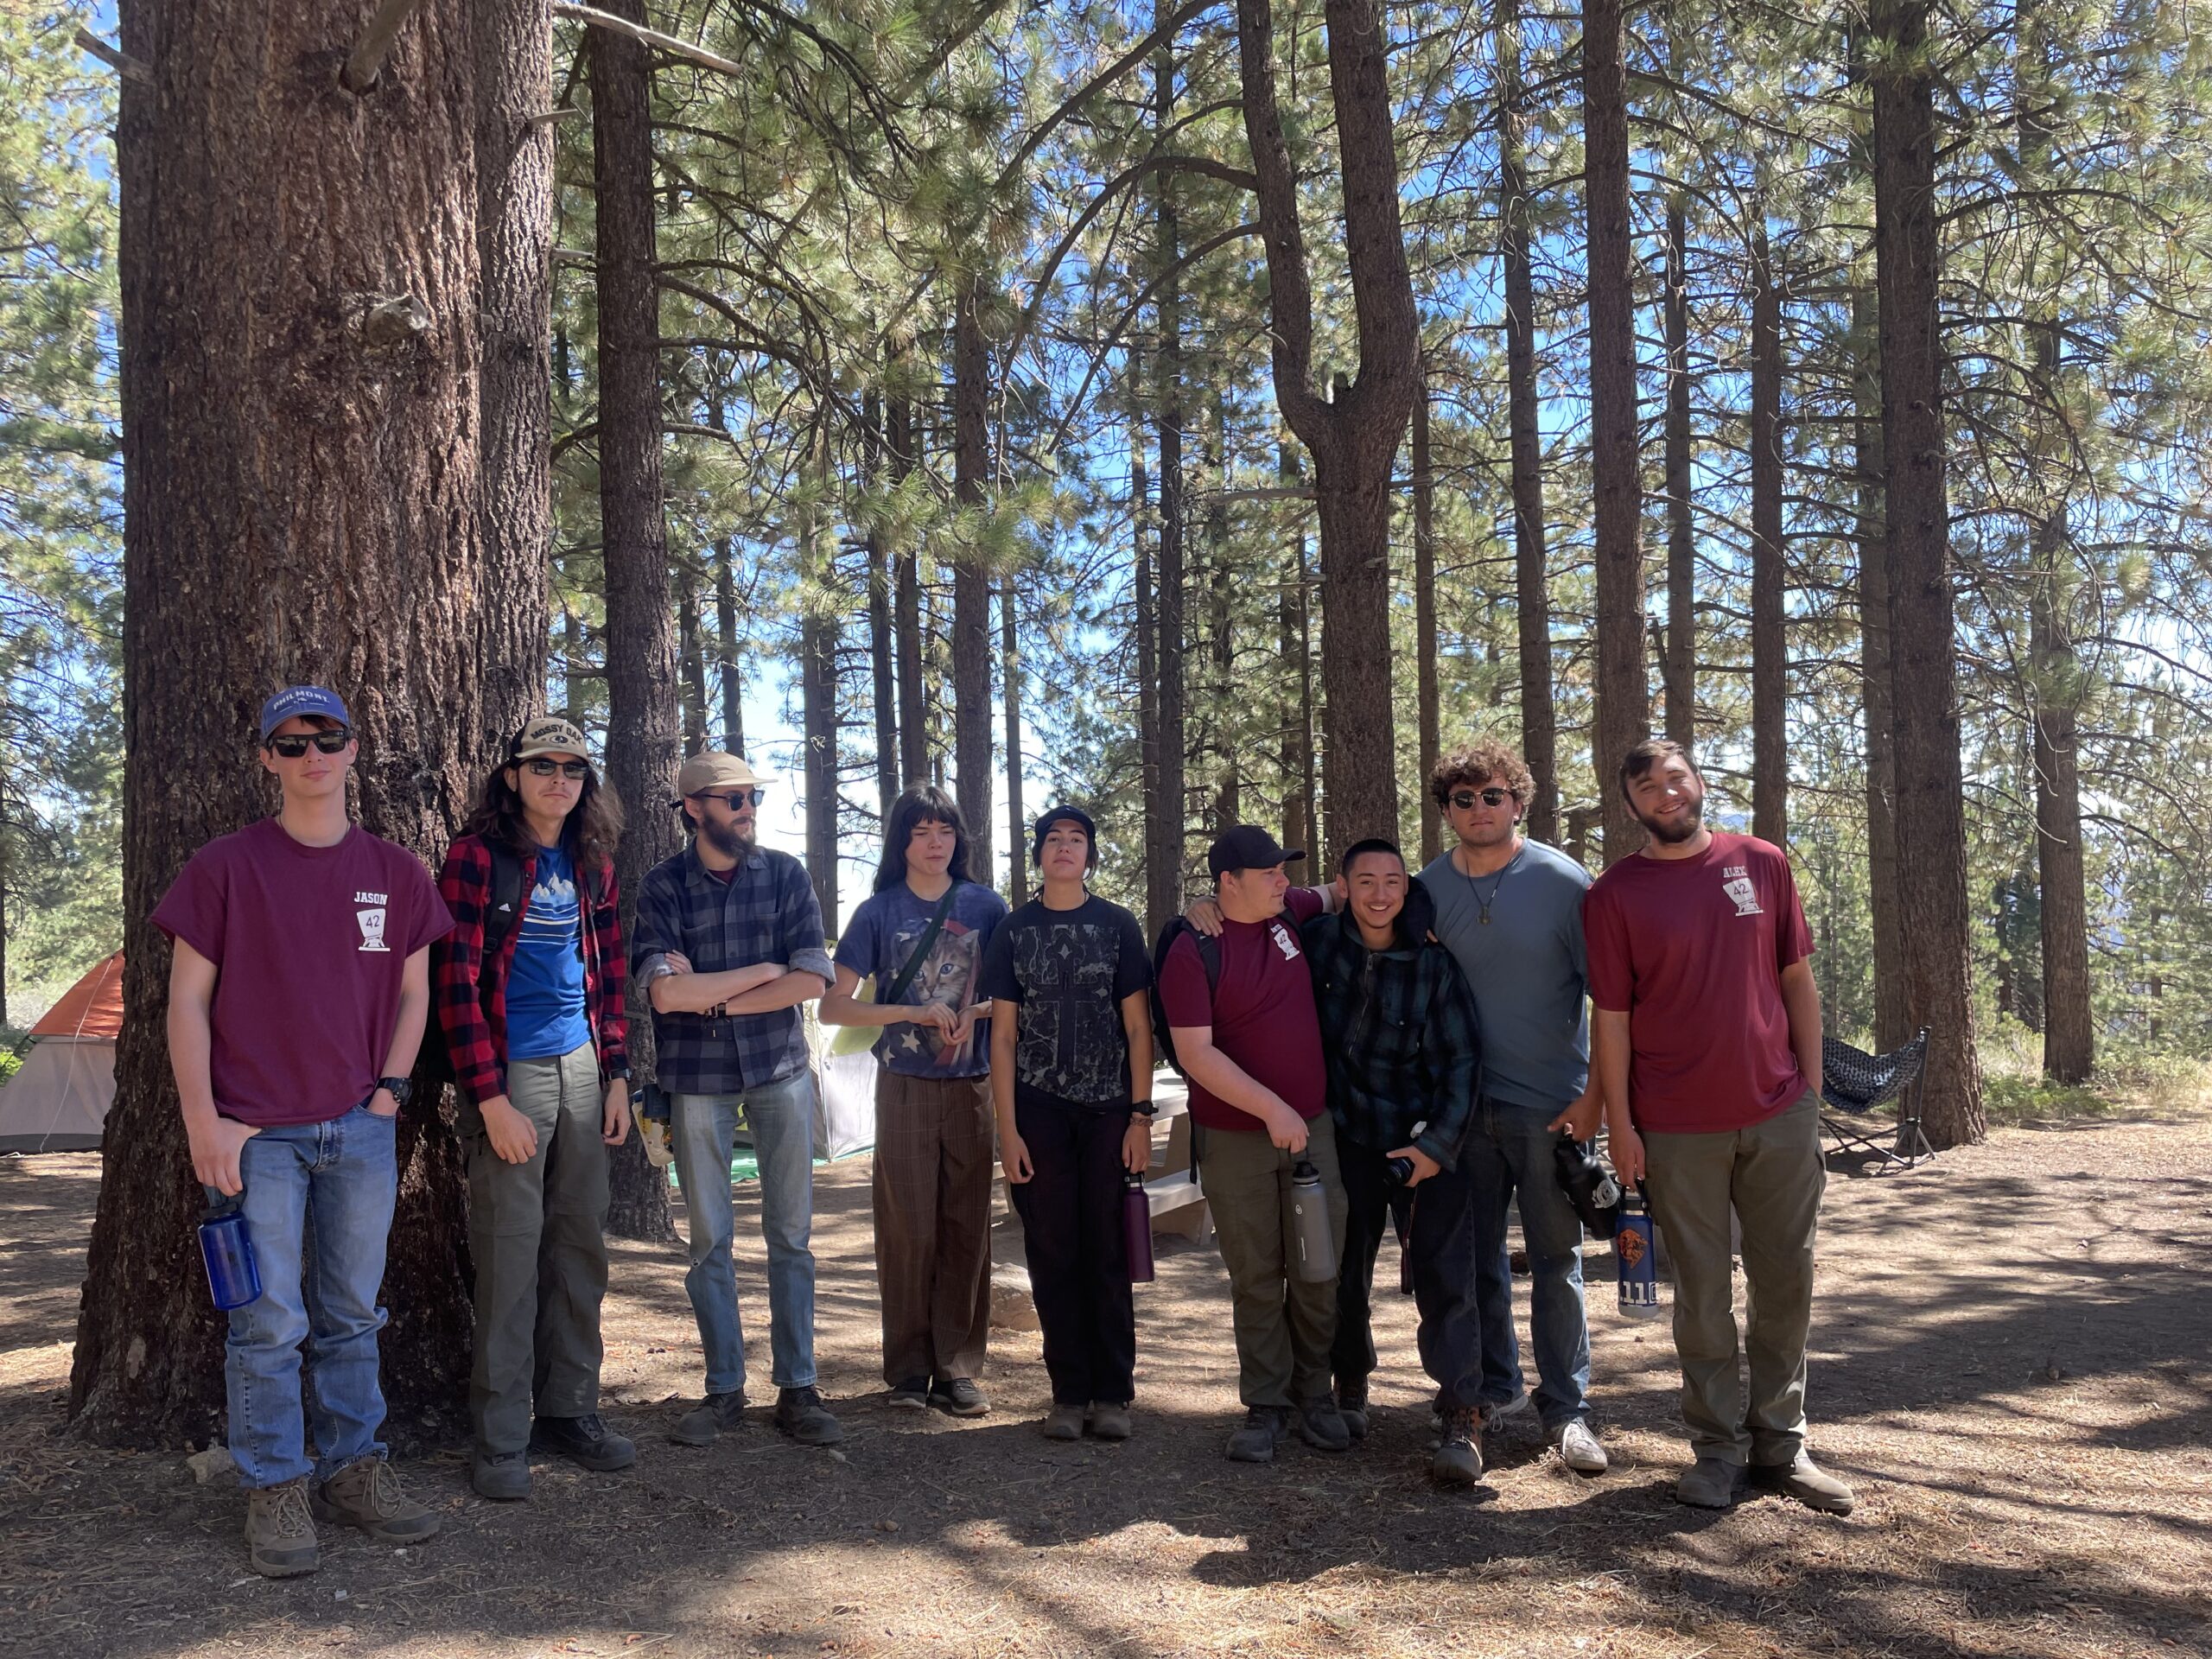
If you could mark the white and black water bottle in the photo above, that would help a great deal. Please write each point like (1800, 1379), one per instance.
(1309, 1224)
(1638, 1254)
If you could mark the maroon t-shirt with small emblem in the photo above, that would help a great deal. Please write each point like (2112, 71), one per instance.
(309, 945)
(1692, 949)
(1261, 1012)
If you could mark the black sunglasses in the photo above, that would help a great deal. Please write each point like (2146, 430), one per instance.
(736, 799)
(1466, 798)
(577, 770)
(293, 745)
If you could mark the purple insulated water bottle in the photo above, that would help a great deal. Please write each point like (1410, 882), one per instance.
(1639, 1257)
(1136, 1229)
(233, 1279)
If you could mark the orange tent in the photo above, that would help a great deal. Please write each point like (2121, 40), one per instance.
(59, 1097)
(92, 1007)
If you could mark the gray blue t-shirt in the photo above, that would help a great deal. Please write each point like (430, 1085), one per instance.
(883, 933)
(1527, 968)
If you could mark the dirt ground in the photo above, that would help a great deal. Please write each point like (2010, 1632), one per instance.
(2012, 1361)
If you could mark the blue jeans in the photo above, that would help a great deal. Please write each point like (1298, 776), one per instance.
(1509, 1151)
(781, 1116)
(324, 1192)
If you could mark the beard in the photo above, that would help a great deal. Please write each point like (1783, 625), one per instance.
(727, 839)
(1675, 832)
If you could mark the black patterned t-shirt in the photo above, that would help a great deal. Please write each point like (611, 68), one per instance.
(1069, 972)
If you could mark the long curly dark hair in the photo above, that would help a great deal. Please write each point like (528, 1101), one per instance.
(594, 824)
(921, 804)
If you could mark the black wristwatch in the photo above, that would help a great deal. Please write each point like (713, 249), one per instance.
(402, 1089)
(1144, 1107)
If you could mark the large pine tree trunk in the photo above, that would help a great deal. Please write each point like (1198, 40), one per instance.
(821, 605)
(906, 607)
(1221, 635)
(644, 744)
(1170, 571)
(1353, 434)
(1430, 715)
(731, 692)
(1017, 838)
(1930, 808)
(1158, 898)
(301, 467)
(882, 657)
(691, 649)
(1893, 1017)
(1531, 588)
(971, 583)
(1770, 683)
(1617, 507)
(1681, 664)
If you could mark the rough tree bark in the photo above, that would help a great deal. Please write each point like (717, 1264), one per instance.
(907, 606)
(1425, 648)
(1221, 639)
(882, 657)
(1298, 673)
(1893, 1018)
(1157, 894)
(644, 744)
(1532, 591)
(301, 374)
(971, 581)
(1017, 885)
(821, 604)
(1353, 434)
(1169, 570)
(732, 687)
(691, 649)
(1930, 806)
(1770, 670)
(1617, 506)
(1680, 668)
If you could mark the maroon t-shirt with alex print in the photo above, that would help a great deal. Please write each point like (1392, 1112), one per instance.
(1691, 949)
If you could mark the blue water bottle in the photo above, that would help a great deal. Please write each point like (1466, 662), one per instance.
(1637, 1256)
(225, 1246)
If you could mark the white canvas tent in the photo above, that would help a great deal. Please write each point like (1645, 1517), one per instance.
(58, 1099)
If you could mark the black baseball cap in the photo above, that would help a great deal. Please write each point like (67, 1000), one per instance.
(1247, 847)
(1074, 814)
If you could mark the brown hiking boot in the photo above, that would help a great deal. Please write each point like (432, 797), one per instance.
(279, 1532)
(367, 1494)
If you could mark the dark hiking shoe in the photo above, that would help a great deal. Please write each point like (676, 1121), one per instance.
(503, 1477)
(1457, 1460)
(959, 1396)
(1351, 1406)
(367, 1494)
(1322, 1427)
(280, 1538)
(1110, 1421)
(717, 1412)
(1710, 1483)
(584, 1439)
(801, 1414)
(1256, 1441)
(1807, 1481)
(912, 1394)
(1062, 1423)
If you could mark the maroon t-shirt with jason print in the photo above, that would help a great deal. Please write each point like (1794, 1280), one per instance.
(1692, 949)
(309, 945)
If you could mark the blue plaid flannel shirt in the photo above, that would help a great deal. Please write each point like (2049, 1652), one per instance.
(767, 913)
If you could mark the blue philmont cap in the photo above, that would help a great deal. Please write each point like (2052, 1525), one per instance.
(301, 700)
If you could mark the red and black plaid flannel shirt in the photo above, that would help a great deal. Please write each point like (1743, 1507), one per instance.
(471, 994)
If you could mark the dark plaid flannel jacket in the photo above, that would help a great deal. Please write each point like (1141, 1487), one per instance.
(471, 994)
(1399, 1029)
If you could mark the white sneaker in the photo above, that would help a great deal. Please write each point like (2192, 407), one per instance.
(1578, 1449)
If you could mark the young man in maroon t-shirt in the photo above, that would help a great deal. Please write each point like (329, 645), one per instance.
(1251, 1046)
(1708, 1052)
(299, 989)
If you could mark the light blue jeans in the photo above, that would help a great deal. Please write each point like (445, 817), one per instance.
(781, 1116)
(318, 1208)
(1509, 1152)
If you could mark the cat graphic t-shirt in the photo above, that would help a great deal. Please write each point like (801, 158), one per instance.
(885, 931)
(309, 945)
(545, 986)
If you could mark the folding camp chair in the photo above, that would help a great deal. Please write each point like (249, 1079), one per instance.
(1854, 1082)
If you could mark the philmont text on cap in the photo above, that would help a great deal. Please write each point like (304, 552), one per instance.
(297, 700)
(550, 735)
(710, 770)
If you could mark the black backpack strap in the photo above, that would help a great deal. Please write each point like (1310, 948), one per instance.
(898, 986)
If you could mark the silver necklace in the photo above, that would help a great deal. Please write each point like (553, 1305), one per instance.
(1482, 904)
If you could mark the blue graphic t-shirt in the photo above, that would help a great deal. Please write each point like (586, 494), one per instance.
(545, 988)
(883, 933)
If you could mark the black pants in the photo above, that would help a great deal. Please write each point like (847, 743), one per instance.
(1070, 1211)
(1440, 1235)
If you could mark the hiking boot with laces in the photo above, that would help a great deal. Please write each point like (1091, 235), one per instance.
(367, 1494)
(1062, 1423)
(503, 1477)
(1351, 1406)
(1256, 1441)
(1458, 1458)
(1321, 1427)
(1110, 1419)
(280, 1538)
(801, 1414)
(1806, 1481)
(717, 1412)
(586, 1440)
(1710, 1483)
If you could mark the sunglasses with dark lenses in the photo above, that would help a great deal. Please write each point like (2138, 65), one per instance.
(736, 799)
(575, 771)
(1465, 799)
(293, 745)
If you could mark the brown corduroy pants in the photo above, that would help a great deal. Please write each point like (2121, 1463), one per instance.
(932, 1191)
